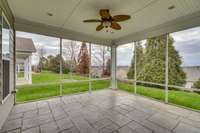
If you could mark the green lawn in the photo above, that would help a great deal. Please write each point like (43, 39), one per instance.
(48, 76)
(34, 92)
(187, 99)
(46, 84)
(38, 90)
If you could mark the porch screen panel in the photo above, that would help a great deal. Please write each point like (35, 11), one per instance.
(100, 66)
(75, 67)
(125, 66)
(44, 67)
(150, 67)
(184, 68)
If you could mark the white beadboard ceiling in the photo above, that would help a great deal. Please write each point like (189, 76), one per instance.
(148, 18)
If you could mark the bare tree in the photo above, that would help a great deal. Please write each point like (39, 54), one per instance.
(41, 52)
(100, 55)
(70, 51)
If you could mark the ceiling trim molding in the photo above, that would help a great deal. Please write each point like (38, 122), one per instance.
(43, 29)
(182, 23)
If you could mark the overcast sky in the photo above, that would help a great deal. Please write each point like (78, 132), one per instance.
(187, 43)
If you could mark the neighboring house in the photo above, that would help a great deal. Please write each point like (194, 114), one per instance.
(24, 49)
(192, 75)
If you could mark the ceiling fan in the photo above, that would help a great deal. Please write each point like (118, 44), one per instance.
(107, 20)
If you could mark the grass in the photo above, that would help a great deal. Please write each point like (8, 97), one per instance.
(187, 99)
(48, 76)
(35, 92)
(38, 90)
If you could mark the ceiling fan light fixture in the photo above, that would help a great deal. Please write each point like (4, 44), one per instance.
(106, 24)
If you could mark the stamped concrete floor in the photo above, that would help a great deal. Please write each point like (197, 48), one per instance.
(105, 111)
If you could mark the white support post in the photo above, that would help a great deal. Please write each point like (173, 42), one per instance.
(71, 64)
(61, 72)
(166, 68)
(90, 83)
(135, 68)
(26, 70)
(30, 69)
(113, 67)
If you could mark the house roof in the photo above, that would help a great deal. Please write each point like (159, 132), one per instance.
(148, 18)
(25, 45)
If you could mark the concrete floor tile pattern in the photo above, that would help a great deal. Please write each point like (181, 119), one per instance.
(105, 111)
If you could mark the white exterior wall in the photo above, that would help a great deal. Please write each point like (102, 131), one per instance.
(30, 70)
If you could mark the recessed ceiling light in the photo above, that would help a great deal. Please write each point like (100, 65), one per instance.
(49, 14)
(171, 7)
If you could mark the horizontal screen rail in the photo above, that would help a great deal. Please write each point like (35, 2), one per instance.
(64, 81)
(158, 84)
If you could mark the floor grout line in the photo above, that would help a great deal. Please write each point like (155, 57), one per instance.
(107, 100)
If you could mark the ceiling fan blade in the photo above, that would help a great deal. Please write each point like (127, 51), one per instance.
(119, 18)
(91, 20)
(115, 26)
(99, 27)
(104, 13)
